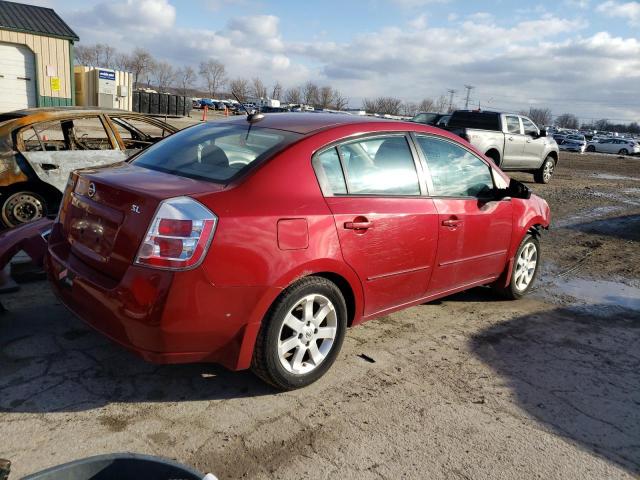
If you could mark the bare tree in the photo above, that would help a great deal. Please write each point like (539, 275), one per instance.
(427, 105)
(602, 124)
(567, 120)
(240, 88)
(83, 55)
(258, 89)
(383, 105)
(293, 95)
(141, 63)
(540, 116)
(214, 74)
(186, 76)
(340, 102)
(276, 92)
(164, 75)
(310, 93)
(122, 61)
(325, 97)
(409, 109)
(108, 56)
(441, 105)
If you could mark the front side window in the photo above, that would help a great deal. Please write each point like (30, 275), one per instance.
(68, 134)
(380, 166)
(214, 152)
(455, 172)
(529, 127)
(513, 124)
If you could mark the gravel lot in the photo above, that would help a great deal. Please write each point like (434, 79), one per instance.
(469, 387)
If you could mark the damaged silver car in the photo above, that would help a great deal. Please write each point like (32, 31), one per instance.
(40, 147)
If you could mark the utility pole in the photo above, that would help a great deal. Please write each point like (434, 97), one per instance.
(451, 92)
(469, 88)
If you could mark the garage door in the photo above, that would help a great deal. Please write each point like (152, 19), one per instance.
(17, 77)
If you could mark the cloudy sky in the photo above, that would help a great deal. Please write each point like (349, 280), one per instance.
(578, 56)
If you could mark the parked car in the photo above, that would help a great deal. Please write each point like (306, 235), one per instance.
(39, 147)
(614, 145)
(256, 243)
(513, 142)
(573, 143)
(428, 118)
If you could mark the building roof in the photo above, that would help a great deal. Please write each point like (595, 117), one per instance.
(32, 19)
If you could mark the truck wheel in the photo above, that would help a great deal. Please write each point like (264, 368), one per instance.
(301, 335)
(23, 207)
(545, 172)
(525, 269)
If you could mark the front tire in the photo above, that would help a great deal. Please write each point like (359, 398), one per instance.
(591, 148)
(525, 269)
(623, 151)
(23, 207)
(301, 335)
(545, 172)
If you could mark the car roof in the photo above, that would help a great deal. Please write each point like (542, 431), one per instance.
(306, 123)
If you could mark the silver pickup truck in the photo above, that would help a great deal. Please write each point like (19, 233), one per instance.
(512, 141)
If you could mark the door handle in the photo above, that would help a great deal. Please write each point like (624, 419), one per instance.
(511, 139)
(528, 140)
(452, 222)
(358, 225)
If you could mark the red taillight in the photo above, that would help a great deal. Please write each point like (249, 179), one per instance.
(179, 235)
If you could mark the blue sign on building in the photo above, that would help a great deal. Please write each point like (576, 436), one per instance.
(104, 75)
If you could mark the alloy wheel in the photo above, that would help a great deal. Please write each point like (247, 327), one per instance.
(548, 170)
(307, 334)
(526, 266)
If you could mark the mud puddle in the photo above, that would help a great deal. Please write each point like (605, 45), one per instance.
(599, 292)
(608, 176)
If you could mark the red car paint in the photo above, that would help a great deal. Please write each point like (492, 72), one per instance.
(274, 227)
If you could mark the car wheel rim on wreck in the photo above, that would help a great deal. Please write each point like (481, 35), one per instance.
(307, 334)
(22, 208)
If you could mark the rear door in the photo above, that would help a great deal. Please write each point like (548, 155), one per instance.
(534, 144)
(386, 227)
(137, 133)
(474, 230)
(54, 149)
(514, 140)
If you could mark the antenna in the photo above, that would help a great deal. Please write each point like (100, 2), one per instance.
(251, 117)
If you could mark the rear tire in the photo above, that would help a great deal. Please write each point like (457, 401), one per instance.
(623, 151)
(545, 172)
(591, 148)
(23, 207)
(525, 269)
(301, 334)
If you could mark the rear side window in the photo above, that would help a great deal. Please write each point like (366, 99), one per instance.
(380, 166)
(329, 172)
(455, 172)
(215, 152)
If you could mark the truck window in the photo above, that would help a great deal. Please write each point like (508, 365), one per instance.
(513, 124)
(529, 127)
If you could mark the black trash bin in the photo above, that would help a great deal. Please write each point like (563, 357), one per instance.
(118, 466)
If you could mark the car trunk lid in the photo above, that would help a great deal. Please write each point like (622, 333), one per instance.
(106, 212)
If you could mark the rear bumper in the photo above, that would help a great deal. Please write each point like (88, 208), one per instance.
(163, 317)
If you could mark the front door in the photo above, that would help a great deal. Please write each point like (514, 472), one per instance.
(387, 230)
(513, 153)
(474, 230)
(534, 144)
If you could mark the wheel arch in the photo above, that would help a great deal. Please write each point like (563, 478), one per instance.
(494, 154)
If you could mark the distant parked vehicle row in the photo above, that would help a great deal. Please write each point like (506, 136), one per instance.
(430, 118)
(614, 145)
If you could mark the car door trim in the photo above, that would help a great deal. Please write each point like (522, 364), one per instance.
(475, 257)
(399, 272)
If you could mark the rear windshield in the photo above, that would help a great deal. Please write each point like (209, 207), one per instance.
(479, 120)
(215, 152)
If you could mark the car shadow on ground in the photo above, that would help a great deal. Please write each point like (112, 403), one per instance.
(626, 227)
(577, 371)
(50, 361)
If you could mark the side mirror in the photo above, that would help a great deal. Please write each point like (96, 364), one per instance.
(518, 189)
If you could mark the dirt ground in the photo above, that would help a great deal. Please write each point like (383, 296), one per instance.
(470, 387)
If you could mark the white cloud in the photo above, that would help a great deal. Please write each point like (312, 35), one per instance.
(629, 11)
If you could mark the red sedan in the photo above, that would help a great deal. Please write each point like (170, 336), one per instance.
(256, 242)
